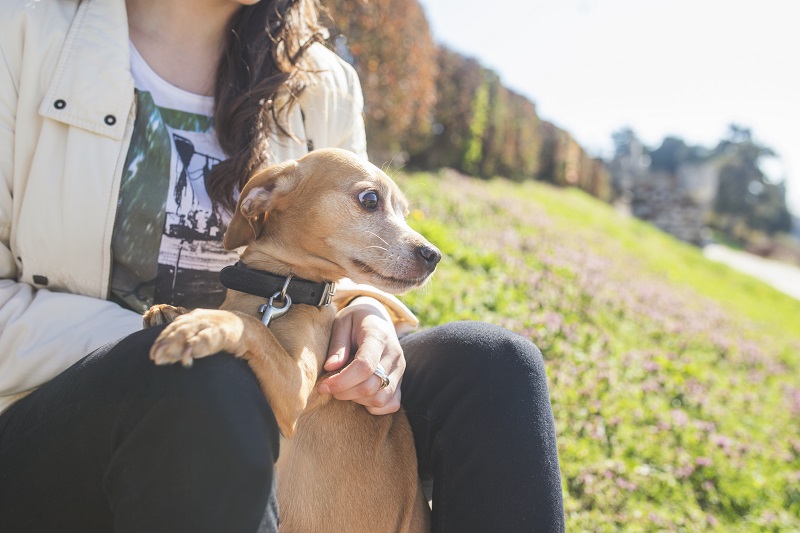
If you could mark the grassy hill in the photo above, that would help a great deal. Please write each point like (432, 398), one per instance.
(674, 380)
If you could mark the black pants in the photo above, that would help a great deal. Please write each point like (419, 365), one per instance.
(117, 443)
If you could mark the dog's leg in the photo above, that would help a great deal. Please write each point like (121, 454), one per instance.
(162, 314)
(285, 380)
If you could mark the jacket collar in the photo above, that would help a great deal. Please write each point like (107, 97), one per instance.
(92, 87)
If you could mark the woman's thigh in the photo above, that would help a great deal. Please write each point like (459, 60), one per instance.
(115, 438)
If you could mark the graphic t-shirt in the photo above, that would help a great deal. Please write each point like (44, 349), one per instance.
(167, 240)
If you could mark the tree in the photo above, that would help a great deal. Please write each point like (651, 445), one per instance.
(391, 47)
(672, 153)
(744, 196)
(456, 86)
(444, 109)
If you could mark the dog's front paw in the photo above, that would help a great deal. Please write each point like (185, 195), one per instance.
(197, 334)
(162, 314)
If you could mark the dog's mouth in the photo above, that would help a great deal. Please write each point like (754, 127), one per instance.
(406, 283)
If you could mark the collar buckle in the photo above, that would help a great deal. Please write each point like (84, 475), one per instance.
(327, 294)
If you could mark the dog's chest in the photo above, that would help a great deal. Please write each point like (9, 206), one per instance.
(304, 331)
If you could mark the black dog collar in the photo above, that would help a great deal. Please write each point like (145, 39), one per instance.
(265, 284)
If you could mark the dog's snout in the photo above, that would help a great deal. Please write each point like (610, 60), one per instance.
(429, 254)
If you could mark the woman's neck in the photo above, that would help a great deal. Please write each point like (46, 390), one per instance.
(181, 40)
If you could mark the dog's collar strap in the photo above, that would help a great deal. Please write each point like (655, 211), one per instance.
(265, 284)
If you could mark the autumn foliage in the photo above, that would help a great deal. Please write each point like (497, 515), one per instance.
(433, 107)
(390, 45)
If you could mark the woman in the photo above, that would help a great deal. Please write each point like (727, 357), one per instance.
(116, 186)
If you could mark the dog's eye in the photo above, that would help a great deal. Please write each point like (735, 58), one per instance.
(369, 200)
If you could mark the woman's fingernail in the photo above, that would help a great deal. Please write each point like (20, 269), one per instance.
(324, 389)
(334, 359)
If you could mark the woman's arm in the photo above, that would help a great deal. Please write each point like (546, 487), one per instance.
(41, 332)
(333, 103)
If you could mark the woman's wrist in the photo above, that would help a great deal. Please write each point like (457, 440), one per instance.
(372, 302)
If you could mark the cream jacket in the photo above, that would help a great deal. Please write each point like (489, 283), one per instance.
(66, 117)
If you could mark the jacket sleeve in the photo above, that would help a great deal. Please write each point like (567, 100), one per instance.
(333, 106)
(333, 103)
(41, 332)
(403, 319)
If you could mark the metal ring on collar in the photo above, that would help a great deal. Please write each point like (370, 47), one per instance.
(285, 287)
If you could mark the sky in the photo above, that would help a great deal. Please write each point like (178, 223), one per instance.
(663, 67)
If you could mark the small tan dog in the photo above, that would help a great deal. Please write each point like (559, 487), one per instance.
(327, 216)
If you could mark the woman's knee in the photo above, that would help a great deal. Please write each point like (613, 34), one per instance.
(217, 375)
(218, 394)
(488, 353)
(194, 437)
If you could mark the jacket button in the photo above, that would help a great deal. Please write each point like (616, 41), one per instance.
(59, 104)
(110, 120)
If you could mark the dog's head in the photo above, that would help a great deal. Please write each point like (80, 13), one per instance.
(331, 215)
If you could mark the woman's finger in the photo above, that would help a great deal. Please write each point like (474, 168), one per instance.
(362, 392)
(385, 402)
(359, 370)
(339, 346)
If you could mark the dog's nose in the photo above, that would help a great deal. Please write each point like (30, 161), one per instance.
(429, 254)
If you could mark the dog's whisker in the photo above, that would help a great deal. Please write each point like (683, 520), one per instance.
(408, 189)
(392, 161)
(378, 236)
(395, 171)
(378, 247)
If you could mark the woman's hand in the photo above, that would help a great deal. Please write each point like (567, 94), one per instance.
(366, 326)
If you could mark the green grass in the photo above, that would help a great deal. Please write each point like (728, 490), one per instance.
(673, 379)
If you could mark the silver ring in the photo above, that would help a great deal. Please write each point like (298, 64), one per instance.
(381, 373)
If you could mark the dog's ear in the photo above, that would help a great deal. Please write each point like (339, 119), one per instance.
(262, 194)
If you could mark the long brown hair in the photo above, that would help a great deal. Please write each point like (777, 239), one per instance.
(262, 57)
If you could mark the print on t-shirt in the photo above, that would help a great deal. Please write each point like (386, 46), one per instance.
(167, 240)
(191, 246)
(192, 221)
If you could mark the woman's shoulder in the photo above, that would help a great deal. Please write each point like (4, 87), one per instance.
(330, 71)
(24, 22)
(332, 102)
(16, 15)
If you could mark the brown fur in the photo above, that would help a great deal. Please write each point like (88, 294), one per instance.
(340, 468)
